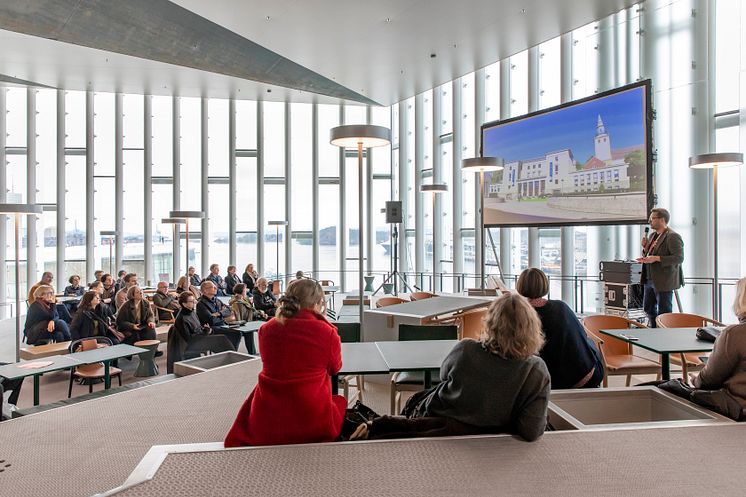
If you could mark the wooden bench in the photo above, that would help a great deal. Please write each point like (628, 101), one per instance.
(61, 348)
(37, 352)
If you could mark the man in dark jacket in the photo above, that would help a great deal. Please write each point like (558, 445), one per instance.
(163, 300)
(662, 255)
(213, 312)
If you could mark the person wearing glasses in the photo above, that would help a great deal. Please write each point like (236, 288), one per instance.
(43, 323)
(662, 256)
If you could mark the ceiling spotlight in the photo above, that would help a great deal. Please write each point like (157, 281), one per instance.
(269, 90)
(388, 19)
(432, 55)
(268, 18)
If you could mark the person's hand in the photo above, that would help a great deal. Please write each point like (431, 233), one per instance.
(137, 326)
(50, 327)
(106, 301)
(215, 314)
(644, 241)
(649, 259)
(692, 377)
(151, 325)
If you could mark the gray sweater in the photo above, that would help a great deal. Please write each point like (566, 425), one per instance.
(480, 388)
(726, 367)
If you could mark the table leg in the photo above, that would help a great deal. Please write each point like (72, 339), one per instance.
(665, 366)
(428, 379)
(107, 376)
(36, 389)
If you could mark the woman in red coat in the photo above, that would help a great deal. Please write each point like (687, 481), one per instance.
(292, 402)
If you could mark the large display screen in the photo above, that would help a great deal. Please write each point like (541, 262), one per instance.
(582, 163)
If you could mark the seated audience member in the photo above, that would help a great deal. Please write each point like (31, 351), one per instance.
(496, 384)
(109, 294)
(244, 310)
(190, 335)
(215, 277)
(86, 323)
(46, 279)
(726, 367)
(119, 283)
(194, 279)
(213, 312)
(43, 323)
(135, 318)
(231, 280)
(103, 309)
(299, 275)
(74, 289)
(249, 278)
(264, 299)
(162, 298)
(300, 351)
(97, 275)
(571, 357)
(12, 386)
(183, 285)
(129, 280)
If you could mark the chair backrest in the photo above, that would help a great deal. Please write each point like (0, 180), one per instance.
(421, 295)
(348, 332)
(276, 287)
(90, 343)
(326, 283)
(386, 301)
(612, 346)
(681, 320)
(409, 332)
(472, 323)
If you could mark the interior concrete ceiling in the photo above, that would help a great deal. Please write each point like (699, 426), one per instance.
(303, 51)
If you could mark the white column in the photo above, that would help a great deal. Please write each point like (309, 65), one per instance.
(31, 242)
(176, 187)
(419, 159)
(567, 233)
(205, 229)
(534, 249)
(148, 187)
(479, 111)
(506, 241)
(260, 188)
(118, 181)
(315, 190)
(61, 187)
(232, 183)
(437, 201)
(288, 199)
(456, 179)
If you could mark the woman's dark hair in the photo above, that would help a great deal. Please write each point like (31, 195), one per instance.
(532, 283)
(239, 288)
(104, 276)
(300, 294)
(184, 296)
(85, 301)
(70, 279)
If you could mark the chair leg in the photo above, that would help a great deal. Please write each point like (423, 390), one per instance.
(684, 372)
(70, 388)
(629, 380)
(393, 399)
(346, 390)
(120, 379)
(90, 386)
(606, 380)
(359, 380)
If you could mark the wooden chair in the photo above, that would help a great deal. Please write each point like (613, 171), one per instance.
(90, 372)
(387, 301)
(691, 361)
(415, 381)
(350, 333)
(276, 288)
(326, 283)
(421, 296)
(471, 323)
(169, 320)
(617, 355)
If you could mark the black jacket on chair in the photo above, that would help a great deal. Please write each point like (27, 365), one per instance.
(230, 282)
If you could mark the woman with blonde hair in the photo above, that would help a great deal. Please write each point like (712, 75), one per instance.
(496, 384)
(292, 402)
(184, 285)
(726, 367)
(43, 323)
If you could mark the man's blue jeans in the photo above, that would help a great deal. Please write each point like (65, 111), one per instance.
(655, 302)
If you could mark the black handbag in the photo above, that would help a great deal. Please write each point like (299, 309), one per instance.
(708, 333)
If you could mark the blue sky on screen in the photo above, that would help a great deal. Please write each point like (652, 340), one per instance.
(573, 127)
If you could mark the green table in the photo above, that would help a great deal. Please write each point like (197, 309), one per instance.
(663, 341)
(13, 371)
(416, 355)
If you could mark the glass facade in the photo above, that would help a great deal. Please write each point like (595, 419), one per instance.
(159, 153)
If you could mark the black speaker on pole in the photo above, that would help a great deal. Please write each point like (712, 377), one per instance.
(393, 212)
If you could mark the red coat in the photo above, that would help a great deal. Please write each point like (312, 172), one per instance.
(292, 402)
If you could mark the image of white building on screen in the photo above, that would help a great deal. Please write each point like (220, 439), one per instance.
(557, 173)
